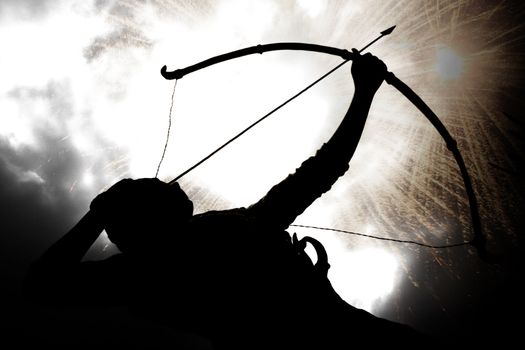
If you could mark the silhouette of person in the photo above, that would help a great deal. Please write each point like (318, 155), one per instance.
(234, 276)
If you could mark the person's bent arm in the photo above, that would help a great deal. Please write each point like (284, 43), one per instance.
(287, 200)
(127, 210)
(49, 274)
(72, 247)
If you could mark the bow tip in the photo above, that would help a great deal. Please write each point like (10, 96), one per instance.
(163, 71)
(177, 74)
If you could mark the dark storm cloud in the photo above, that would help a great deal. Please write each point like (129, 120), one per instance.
(33, 213)
(34, 191)
(29, 208)
(37, 204)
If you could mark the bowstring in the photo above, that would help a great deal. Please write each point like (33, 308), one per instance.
(169, 130)
(385, 238)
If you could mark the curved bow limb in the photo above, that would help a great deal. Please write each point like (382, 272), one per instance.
(478, 241)
(260, 49)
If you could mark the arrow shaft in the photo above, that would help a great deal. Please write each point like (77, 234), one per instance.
(370, 43)
(257, 122)
(179, 73)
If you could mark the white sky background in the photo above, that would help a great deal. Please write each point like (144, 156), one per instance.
(83, 105)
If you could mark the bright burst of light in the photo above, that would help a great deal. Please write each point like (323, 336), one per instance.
(367, 277)
(88, 179)
(364, 277)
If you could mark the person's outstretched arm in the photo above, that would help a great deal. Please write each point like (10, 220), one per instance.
(288, 199)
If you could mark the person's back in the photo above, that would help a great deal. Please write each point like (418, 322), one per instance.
(227, 281)
(243, 291)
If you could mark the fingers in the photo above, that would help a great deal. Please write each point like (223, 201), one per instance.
(366, 57)
(358, 53)
(370, 60)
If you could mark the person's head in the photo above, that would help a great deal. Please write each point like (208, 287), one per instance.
(138, 212)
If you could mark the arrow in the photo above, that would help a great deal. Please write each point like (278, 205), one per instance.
(383, 33)
(260, 49)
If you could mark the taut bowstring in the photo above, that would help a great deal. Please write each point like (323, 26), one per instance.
(169, 130)
(385, 238)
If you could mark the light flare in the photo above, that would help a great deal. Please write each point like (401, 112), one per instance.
(449, 64)
(370, 275)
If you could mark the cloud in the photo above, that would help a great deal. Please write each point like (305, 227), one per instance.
(26, 9)
(127, 22)
(36, 202)
(39, 170)
(120, 38)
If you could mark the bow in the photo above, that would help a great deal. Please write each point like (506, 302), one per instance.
(478, 240)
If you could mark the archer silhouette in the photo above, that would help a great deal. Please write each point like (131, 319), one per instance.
(236, 276)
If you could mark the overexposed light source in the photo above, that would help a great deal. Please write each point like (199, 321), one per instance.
(369, 276)
(88, 179)
(363, 277)
(449, 64)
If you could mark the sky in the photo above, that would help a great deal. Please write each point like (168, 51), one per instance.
(83, 105)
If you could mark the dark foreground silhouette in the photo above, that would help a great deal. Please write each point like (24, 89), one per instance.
(233, 277)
